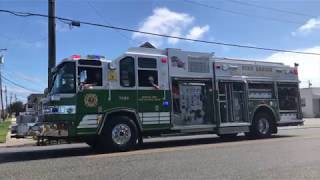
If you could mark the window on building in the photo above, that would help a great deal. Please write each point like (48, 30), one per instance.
(127, 73)
(288, 96)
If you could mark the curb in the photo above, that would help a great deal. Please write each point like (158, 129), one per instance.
(19, 145)
(8, 137)
(8, 134)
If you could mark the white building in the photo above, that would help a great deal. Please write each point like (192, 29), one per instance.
(310, 102)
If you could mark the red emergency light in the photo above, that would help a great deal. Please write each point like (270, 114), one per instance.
(75, 57)
(164, 60)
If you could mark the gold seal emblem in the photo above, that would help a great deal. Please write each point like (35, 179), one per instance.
(91, 100)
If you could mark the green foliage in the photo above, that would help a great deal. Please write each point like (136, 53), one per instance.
(16, 107)
(4, 128)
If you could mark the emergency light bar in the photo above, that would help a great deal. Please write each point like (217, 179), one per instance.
(90, 57)
(95, 57)
(75, 57)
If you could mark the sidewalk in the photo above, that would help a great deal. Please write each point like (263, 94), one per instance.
(312, 122)
(13, 142)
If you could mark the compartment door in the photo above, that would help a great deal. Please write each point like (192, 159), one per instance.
(232, 102)
(192, 102)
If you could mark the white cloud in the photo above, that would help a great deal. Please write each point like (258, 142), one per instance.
(165, 21)
(197, 32)
(311, 25)
(309, 65)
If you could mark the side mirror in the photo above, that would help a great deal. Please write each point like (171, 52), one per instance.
(83, 76)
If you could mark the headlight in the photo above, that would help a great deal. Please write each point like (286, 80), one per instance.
(68, 109)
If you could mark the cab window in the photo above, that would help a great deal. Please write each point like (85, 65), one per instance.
(147, 72)
(127, 73)
(93, 75)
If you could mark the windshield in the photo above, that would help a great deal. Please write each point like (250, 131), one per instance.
(64, 80)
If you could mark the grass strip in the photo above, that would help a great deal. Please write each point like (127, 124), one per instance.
(4, 128)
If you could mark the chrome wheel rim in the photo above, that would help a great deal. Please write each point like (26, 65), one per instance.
(121, 134)
(263, 125)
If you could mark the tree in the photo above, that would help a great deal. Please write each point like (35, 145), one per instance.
(16, 108)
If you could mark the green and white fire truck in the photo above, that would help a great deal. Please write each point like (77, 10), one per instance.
(148, 92)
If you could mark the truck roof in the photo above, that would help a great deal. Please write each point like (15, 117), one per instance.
(248, 62)
(161, 52)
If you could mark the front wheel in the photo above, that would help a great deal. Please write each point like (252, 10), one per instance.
(262, 125)
(119, 134)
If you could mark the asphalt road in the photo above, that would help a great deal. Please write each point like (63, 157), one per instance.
(292, 154)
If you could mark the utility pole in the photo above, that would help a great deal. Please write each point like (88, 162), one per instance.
(51, 40)
(2, 110)
(10, 99)
(1, 98)
(6, 94)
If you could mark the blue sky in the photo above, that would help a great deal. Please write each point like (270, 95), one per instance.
(26, 38)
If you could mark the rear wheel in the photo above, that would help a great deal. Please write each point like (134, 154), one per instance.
(119, 134)
(262, 126)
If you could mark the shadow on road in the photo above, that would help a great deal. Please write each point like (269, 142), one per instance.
(61, 151)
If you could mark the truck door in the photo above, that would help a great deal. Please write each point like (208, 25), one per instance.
(153, 91)
(232, 102)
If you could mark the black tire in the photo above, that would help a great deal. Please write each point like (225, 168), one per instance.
(228, 136)
(262, 126)
(249, 135)
(124, 129)
(92, 143)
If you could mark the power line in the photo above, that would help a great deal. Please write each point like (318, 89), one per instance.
(245, 3)
(18, 76)
(174, 37)
(18, 85)
(241, 13)
(95, 10)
